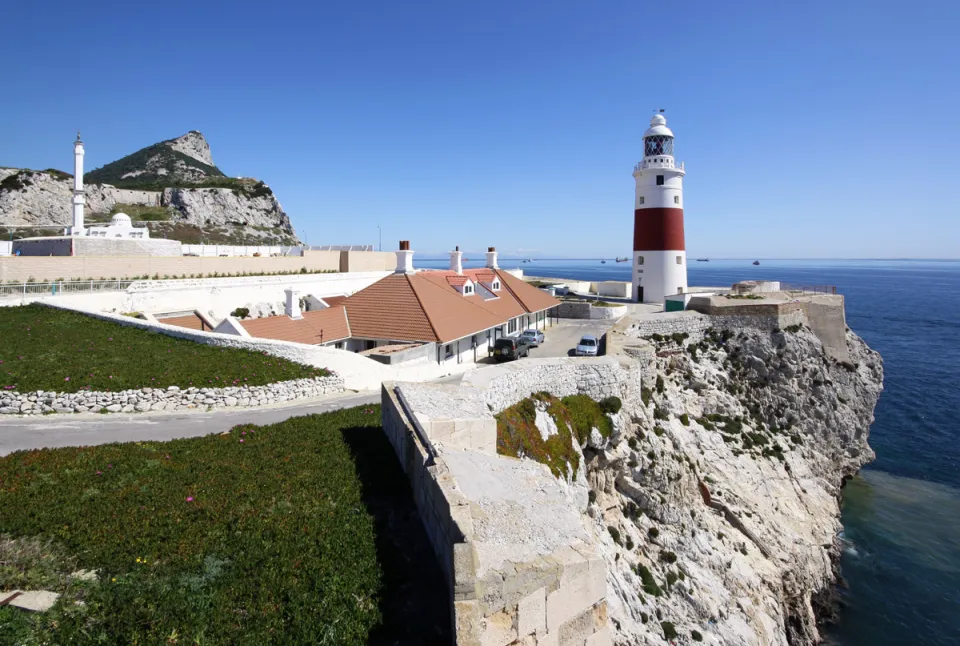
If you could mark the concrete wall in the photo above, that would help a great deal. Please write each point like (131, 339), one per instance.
(215, 250)
(44, 247)
(14, 269)
(215, 297)
(616, 288)
(533, 598)
(6, 247)
(585, 310)
(366, 260)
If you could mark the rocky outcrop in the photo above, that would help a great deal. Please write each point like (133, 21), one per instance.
(176, 177)
(724, 491)
(217, 206)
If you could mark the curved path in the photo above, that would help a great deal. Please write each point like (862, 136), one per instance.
(49, 431)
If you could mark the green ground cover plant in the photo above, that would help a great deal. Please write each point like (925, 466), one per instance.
(262, 535)
(47, 349)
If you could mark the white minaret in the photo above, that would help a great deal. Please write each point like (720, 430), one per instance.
(78, 198)
(659, 252)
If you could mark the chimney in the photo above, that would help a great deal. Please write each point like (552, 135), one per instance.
(456, 260)
(292, 307)
(404, 258)
(492, 258)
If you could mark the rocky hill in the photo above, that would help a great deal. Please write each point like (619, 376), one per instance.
(174, 186)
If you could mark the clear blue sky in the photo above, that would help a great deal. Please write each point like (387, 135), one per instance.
(809, 129)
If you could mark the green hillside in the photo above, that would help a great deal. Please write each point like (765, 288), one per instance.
(183, 170)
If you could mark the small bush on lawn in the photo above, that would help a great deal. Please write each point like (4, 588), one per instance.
(47, 349)
(259, 536)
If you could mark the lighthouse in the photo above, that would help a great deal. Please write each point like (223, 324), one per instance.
(78, 198)
(659, 253)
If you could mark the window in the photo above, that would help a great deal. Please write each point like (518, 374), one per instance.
(448, 351)
(467, 289)
(640, 200)
(679, 260)
(676, 199)
(659, 180)
(496, 285)
(639, 260)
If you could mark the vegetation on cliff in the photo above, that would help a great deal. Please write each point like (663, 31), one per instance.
(574, 417)
(142, 169)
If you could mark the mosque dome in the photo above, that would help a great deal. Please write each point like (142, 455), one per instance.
(658, 126)
(120, 220)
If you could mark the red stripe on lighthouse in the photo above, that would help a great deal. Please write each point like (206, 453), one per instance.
(658, 230)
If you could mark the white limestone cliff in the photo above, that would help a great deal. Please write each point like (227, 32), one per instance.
(193, 144)
(728, 539)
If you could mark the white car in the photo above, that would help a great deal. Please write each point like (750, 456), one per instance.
(588, 346)
(533, 337)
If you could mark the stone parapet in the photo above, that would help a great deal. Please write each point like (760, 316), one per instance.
(166, 399)
(522, 566)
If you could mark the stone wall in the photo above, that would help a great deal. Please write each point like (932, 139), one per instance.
(694, 323)
(586, 310)
(15, 269)
(541, 581)
(96, 246)
(169, 399)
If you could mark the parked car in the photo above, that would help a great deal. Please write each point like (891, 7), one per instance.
(513, 347)
(588, 346)
(533, 337)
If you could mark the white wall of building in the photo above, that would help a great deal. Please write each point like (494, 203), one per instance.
(660, 273)
(215, 297)
(6, 247)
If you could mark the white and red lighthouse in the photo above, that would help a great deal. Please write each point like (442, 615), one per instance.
(659, 253)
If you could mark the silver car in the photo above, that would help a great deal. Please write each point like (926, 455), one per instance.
(588, 346)
(533, 337)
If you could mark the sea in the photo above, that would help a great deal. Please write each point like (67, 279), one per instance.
(901, 514)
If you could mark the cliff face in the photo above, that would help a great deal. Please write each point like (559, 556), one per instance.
(173, 181)
(723, 492)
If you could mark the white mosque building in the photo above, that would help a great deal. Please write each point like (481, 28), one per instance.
(119, 238)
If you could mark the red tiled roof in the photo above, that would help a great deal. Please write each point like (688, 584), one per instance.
(317, 326)
(532, 298)
(457, 280)
(425, 307)
(333, 301)
(191, 321)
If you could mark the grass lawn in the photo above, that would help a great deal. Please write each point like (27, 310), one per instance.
(48, 349)
(302, 532)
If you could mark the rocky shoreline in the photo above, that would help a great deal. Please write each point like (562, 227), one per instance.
(169, 399)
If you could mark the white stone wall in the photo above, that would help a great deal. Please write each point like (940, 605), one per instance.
(695, 323)
(169, 399)
(6, 247)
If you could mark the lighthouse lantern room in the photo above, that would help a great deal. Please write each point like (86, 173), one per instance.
(659, 256)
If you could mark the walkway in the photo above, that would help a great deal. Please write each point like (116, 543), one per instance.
(49, 431)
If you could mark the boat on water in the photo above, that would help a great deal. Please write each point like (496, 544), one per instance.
(624, 259)
(756, 262)
(703, 260)
(603, 262)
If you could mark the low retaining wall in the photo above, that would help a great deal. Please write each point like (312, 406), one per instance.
(540, 582)
(587, 310)
(169, 399)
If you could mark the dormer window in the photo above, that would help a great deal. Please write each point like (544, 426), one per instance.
(467, 289)
(496, 285)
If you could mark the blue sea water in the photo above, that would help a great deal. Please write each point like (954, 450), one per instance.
(901, 515)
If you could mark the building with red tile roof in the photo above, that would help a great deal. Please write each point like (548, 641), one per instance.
(456, 311)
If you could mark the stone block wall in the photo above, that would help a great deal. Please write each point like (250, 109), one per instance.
(558, 597)
(586, 310)
(168, 399)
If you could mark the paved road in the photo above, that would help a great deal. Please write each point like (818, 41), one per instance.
(83, 430)
(562, 338)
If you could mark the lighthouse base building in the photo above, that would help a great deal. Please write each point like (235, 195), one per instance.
(659, 251)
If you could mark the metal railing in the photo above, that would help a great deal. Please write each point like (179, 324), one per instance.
(815, 289)
(63, 287)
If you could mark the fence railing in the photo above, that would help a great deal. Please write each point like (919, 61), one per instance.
(816, 289)
(63, 287)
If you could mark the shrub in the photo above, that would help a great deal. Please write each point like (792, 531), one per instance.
(671, 578)
(685, 419)
(658, 431)
(632, 443)
(611, 405)
(241, 312)
(645, 396)
(669, 630)
(649, 583)
(518, 436)
(632, 463)
(659, 384)
(696, 636)
(793, 329)
(614, 534)
(668, 557)
(629, 544)
(660, 413)
(653, 532)
(184, 534)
